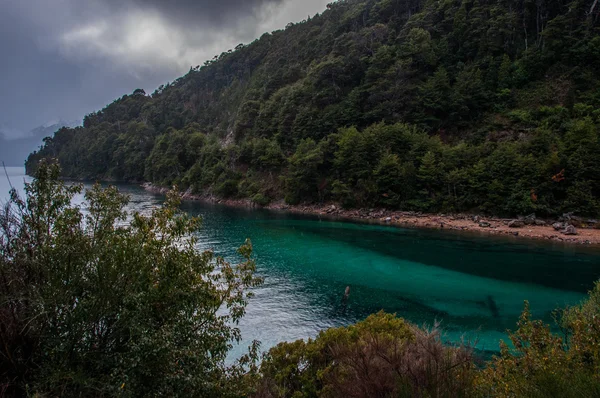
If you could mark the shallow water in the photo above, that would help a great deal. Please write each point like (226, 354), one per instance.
(474, 285)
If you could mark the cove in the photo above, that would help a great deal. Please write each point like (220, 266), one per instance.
(474, 285)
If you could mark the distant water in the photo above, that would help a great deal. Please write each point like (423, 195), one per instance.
(474, 285)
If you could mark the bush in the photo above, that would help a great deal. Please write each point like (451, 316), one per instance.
(261, 199)
(227, 188)
(543, 364)
(382, 356)
(106, 303)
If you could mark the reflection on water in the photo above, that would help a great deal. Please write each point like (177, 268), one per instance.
(474, 285)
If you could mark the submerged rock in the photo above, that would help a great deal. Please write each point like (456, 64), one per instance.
(516, 224)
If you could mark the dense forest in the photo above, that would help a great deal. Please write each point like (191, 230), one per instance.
(453, 105)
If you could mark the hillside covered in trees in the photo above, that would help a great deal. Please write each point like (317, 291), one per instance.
(452, 105)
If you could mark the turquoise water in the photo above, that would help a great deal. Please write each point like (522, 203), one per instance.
(474, 285)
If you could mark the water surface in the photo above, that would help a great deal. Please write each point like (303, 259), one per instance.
(474, 285)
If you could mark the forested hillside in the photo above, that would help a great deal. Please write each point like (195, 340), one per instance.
(450, 105)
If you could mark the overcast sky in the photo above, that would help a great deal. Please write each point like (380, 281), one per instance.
(61, 59)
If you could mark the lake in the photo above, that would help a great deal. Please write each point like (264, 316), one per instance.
(474, 285)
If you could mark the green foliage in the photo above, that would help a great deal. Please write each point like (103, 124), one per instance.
(318, 111)
(260, 199)
(304, 170)
(382, 356)
(543, 364)
(109, 303)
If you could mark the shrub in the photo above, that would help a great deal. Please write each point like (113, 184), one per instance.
(261, 199)
(106, 303)
(543, 364)
(382, 356)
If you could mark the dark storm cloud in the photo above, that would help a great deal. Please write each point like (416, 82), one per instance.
(65, 58)
(190, 11)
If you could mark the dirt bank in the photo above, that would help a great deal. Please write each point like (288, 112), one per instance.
(457, 222)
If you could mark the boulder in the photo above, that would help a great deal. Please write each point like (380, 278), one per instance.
(558, 226)
(540, 223)
(485, 224)
(569, 230)
(516, 224)
(566, 217)
(529, 220)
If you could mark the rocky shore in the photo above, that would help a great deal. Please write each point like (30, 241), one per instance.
(568, 229)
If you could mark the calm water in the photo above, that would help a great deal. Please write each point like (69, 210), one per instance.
(474, 285)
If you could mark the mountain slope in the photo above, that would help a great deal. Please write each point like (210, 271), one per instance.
(14, 152)
(427, 105)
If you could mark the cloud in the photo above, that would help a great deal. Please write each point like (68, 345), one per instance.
(190, 12)
(179, 33)
(65, 58)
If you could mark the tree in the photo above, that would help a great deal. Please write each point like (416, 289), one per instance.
(106, 303)
(429, 173)
(304, 169)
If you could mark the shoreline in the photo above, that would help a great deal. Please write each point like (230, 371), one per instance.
(408, 219)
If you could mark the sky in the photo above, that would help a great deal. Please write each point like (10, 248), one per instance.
(62, 59)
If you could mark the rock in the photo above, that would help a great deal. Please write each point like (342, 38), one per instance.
(569, 230)
(388, 219)
(540, 223)
(558, 226)
(485, 224)
(516, 224)
(515, 233)
(529, 220)
(566, 217)
(475, 218)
